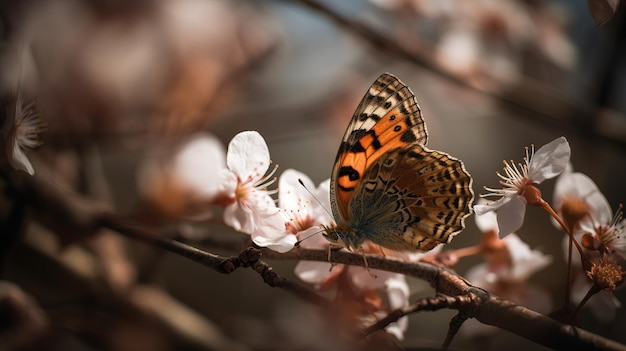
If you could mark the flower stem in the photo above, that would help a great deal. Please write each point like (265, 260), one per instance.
(592, 291)
(568, 286)
(546, 206)
(467, 251)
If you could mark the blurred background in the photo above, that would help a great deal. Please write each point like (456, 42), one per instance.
(121, 84)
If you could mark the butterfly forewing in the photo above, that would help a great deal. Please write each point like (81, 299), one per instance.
(388, 117)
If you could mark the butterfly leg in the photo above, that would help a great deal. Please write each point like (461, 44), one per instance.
(382, 252)
(366, 264)
(332, 265)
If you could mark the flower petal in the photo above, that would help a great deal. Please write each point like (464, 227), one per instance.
(199, 164)
(312, 271)
(550, 160)
(486, 221)
(280, 242)
(362, 278)
(578, 186)
(398, 293)
(227, 182)
(511, 216)
(291, 194)
(237, 218)
(248, 155)
(481, 209)
(524, 261)
(314, 238)
(19, 160)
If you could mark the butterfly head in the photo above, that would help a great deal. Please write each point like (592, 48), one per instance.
(341, 235)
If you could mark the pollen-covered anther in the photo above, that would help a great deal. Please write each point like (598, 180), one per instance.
(606, 276)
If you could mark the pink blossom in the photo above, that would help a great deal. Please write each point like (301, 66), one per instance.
(519, 184)
(185, 185)
(303, 212)
(576, 195)
(244, 187)
(584, 208)
(361, 281)
(22, 127)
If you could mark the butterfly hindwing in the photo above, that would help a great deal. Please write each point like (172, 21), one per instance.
(418, 198)
(387, 117)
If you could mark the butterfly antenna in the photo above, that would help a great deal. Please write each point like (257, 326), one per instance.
(315, 198)
(297, 244)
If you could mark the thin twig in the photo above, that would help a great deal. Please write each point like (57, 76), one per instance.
(453, 328)
(485, 307)
(433, 303)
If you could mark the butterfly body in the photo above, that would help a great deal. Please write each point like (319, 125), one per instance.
(387, 187)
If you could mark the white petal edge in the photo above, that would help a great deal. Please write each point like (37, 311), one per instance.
(579, 185)
(19, 160)
(486, 221)
(524, 261)
(236, 218)
(550, 160)
(248, 155)
(481, 209)
(511, 216)
(312, 271)
(281, 243)
(199, 164)
(291, 194)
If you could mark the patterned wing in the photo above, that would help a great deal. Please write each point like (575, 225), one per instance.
(413, 199)
(387, 117)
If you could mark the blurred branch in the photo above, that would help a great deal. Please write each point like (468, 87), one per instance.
(471, 301)
(249, 258)
(12, 220)
(377, 39)
(431, 303)
(77, 301)
(540, 103)
(78, 214)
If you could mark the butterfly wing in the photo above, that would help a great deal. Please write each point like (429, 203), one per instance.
(412, 198)
(387, 117)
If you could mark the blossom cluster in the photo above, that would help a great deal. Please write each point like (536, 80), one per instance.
(580, 210)
(281, 213)
(294, 211)
(242, 181)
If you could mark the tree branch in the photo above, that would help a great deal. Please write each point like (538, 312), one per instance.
(77, 213)
(250, 257)
(485, 307)
(433, 303)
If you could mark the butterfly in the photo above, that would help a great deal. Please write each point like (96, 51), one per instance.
(386, 186)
